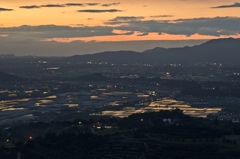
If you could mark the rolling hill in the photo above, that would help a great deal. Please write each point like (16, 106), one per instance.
(219, 50)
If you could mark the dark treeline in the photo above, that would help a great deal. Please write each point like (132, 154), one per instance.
(164, 134)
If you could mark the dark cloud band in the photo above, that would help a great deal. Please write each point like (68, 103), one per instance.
(59, 5)
(218, 26)
(110, 4)
(161, 16)
(53, 5)
(203, 26)
(99, 10)
(74, 4)
(29, 7)
(92, 4)
(236, 4)
(5, 9)
(127, 18)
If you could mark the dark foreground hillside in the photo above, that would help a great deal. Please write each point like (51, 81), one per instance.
(147, 135)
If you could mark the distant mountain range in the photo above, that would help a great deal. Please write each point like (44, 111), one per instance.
(219, 50)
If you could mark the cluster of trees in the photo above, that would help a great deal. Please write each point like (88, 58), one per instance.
(140, 135)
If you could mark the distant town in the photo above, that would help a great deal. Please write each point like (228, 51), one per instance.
(46, 88)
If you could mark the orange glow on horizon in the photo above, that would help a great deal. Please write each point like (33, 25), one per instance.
(134, 37)
(98, 15)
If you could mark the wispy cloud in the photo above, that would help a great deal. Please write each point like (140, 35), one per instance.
(74, 4)
(124, 20)
(127, 18)
(110, 4)
(122, 32)
(161, 16)
(30, 7)
(53, 5)
(92, 4)
(43, 6)
(59, 5)
(5, 9)
(142, 34)
(236, 4)
(100, 10)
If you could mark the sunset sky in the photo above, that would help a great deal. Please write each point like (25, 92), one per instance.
(68, 27)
